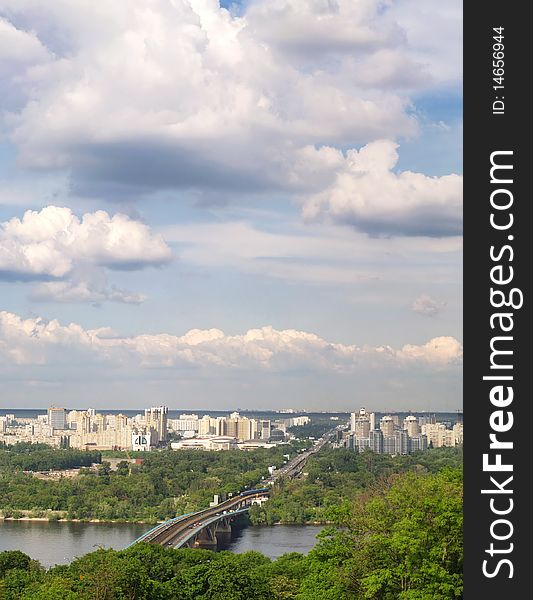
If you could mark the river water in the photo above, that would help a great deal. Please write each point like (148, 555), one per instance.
(59, 543)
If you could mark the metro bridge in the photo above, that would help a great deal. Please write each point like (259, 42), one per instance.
(200, 528)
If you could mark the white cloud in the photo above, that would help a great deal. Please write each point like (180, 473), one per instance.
(313, 253)
(83, 291)
(425, 305)
(157, 95)
(164, 94)
(434, 32)
(48, 243)
(306, 27)
(54, 244)
(345, 42)
(34, 340)
(19, 47)
(368, 195)
(441, 350)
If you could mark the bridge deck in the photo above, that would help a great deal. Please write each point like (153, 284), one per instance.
(188, 534)
(173, 528)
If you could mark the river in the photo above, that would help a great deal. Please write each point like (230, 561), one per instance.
(59, 543)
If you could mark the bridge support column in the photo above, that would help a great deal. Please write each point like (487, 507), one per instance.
(224, 526)
(206, 537)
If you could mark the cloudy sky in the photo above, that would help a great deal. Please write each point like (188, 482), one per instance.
(218, 205)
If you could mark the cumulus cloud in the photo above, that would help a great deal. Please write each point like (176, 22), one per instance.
(370, 196)
(22, 52)
(19, 47)
(427, 306)
(162, 94)
(440, 350)
(54, 244)
(33, 340)
(131, 99)
(304, 26)
(49, 242)
(340, 41)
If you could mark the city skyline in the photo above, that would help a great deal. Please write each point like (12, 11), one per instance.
(214, 208)
(156, 428)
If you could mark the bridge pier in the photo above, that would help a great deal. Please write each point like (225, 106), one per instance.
(224, 526)
(206, 537)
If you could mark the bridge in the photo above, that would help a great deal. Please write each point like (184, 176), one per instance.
(200, 528)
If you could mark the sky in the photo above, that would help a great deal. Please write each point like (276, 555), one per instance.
(238, 205)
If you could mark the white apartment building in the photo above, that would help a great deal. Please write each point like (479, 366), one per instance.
(439, 435)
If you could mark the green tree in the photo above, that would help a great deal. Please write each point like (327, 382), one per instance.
(403, 540)
(13, 559)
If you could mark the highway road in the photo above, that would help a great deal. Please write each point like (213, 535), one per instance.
(294, 467)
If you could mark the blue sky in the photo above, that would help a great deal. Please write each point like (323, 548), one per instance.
(257, 208)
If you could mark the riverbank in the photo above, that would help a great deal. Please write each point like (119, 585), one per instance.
(61, 542)
(152, 523)
(55, 518)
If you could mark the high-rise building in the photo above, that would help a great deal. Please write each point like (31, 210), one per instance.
(100, 422)
(219, 426)
(204, 425)
(121, 422)
(353, 418)
(155, 419)
(349, 441)
(57, 418)
(401, 442)
(389, 444)
(186, 423)
(372, 419)
(86, 425)
(360, 423)
(387, 426)
(458, 433)
(362, 427)
(419, 443)
(439, 435)
(232, 426)
(241, 428)
(247, 429)
(361, 443)
(265, 427)
(411, 425)
(376, 441)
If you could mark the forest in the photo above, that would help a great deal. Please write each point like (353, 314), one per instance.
(164, 485)
(334, 476)
(41, 457)
(168, 483)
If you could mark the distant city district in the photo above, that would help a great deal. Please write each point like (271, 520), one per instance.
(394, 436)
(91, 430)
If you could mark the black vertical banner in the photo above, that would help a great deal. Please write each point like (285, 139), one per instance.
(498, 256)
